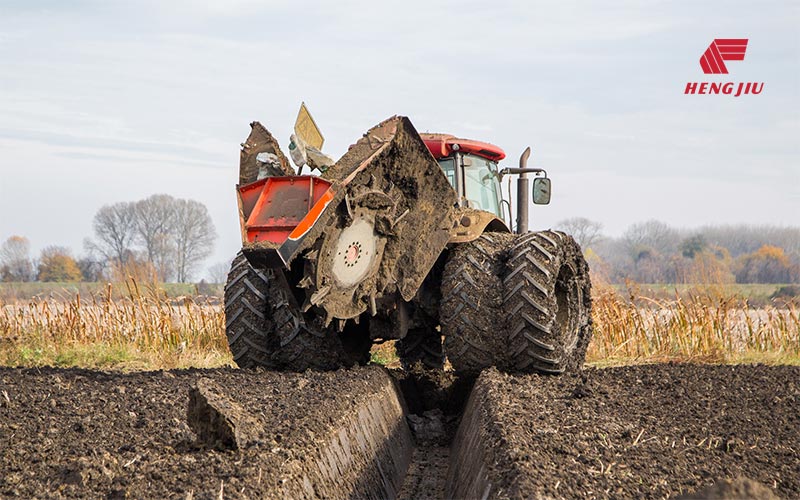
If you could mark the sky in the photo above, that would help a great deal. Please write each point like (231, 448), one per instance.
(107, 101)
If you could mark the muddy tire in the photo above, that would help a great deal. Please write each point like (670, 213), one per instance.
(248, 322)
(421, 346)
(470, 306)
(302, 340)
(546, 303)
(265, 326)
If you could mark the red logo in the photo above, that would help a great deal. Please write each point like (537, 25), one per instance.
(722, 49)
(713, 63)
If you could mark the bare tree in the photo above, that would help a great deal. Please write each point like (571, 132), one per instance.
(115, 230)
(652, 234)
(218, 273)
(15, 261)
(155, 224)
(91, 268)
(744, 239)
(194, 237)
(586, 232)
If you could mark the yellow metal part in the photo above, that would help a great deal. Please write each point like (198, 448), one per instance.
(305, 128)
(470, 224)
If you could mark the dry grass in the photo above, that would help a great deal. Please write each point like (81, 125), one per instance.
(144, 330)
(707, 324)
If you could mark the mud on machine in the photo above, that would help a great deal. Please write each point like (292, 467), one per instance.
(406, 237)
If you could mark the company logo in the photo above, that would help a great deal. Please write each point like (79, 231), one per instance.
(722, 49)
(713, 63)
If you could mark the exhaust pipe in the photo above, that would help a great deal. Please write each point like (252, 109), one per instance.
(522, 192)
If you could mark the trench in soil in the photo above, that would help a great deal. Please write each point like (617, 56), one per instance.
(674, 428)
(434, 402)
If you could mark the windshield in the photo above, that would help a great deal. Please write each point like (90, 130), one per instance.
(481, 184)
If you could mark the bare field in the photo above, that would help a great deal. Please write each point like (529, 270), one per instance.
(653, 431)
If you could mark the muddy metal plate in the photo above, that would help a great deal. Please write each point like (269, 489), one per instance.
(390, 175)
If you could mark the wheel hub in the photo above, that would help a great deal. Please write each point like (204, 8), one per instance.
(354, 253)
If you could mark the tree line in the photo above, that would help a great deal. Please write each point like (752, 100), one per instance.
(160, 236)
(169, 238)
(654, 252)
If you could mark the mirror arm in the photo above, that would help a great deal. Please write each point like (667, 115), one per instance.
(517, 171)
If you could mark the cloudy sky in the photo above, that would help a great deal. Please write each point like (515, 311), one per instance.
(105, 101)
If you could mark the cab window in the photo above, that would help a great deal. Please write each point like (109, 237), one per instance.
(481, 184)
(448, 166)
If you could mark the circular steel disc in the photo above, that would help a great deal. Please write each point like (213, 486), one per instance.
(354, 253)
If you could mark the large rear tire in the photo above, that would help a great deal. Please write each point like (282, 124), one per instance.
(546, 303)
(265, 326)
(471, 300)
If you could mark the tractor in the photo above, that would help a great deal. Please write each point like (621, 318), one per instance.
(407, 237)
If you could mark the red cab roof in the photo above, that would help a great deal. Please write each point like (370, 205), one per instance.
(442, 145)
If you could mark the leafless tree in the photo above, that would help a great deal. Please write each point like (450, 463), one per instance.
(744, 239)
(155, 224)
(194, 237)
(91, 268)
(586, 232)
(115, 230)
(654, 252)
(654, 235)
(218, 273)
(15, 261)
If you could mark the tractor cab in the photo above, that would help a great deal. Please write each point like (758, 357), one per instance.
(471, 168)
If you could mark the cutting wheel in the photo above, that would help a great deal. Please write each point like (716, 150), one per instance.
(349, 257)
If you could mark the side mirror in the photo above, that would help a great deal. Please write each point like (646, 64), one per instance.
(541, 191)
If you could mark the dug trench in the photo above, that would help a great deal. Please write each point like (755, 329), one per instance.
(657, 431)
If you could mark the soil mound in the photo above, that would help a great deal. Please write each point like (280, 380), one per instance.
(652, 431)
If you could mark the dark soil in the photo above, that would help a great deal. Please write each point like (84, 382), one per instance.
(635, 432)
(78, 433)
(642, 431)
(425, 479)
(435, 400)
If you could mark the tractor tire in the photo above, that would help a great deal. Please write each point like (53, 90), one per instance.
(265, 326)
(303, 342)
(248, 319)
(421, 345)
(471, 303)
(546, 303)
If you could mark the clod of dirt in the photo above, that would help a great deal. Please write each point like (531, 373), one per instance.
(727, 489)
(217, 420)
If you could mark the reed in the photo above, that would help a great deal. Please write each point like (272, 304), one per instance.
(130, 326)
(706, 324)
(143, 329)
